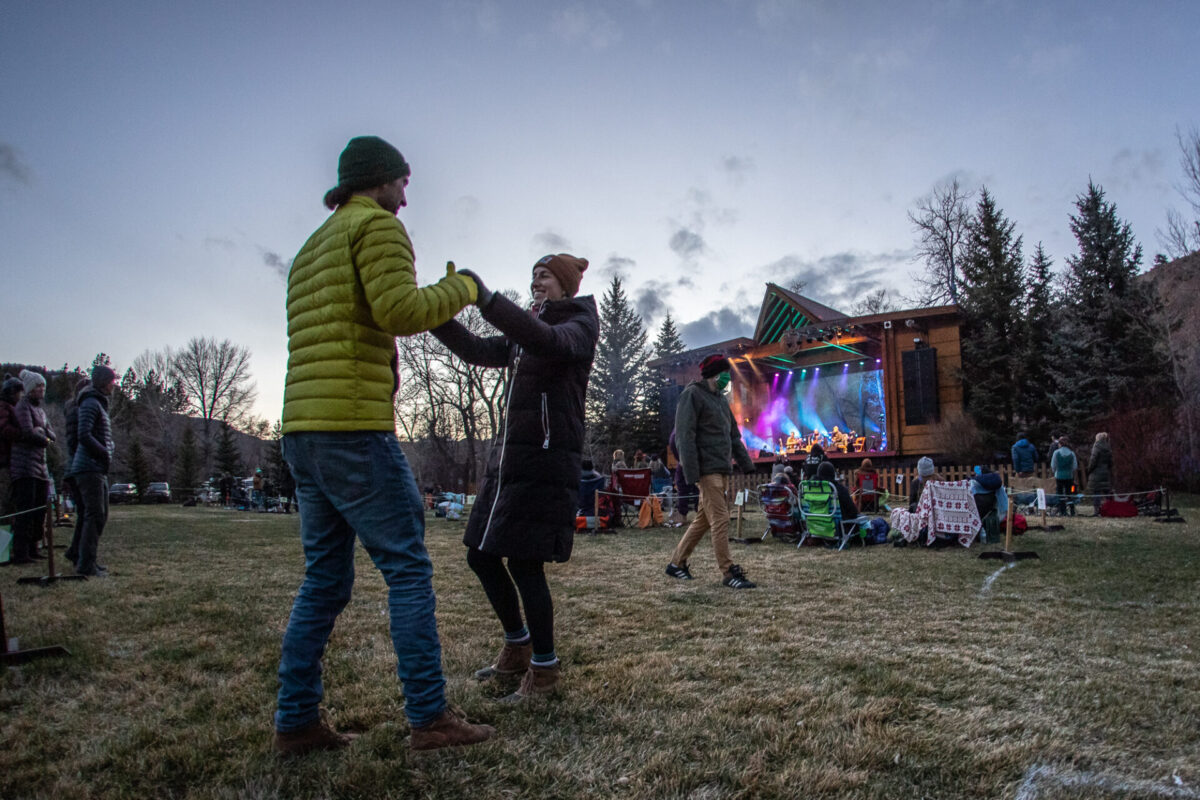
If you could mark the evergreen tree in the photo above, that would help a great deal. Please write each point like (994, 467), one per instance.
(1104, 354)
(139, 468)
(991, 295)
(187, 464)
(228, 459)
(616, 389)
(668, 342)
(652, 429)
(1041, 321)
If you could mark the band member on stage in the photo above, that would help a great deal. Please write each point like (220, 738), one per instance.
(840, 440)
(793, 443)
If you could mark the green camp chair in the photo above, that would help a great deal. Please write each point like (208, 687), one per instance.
(823, 516)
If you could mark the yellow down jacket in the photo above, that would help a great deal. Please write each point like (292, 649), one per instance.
(351, 290)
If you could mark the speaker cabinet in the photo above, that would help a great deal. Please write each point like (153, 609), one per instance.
(919, 368)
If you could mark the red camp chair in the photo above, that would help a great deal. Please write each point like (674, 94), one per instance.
(866, 491)
(631, 487)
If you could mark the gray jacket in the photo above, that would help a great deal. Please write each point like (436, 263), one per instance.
(707, 434)
(95, 449)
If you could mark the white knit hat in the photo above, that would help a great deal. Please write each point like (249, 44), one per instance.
(31, 380)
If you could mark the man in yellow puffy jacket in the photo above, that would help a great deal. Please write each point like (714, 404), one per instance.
(351, 290)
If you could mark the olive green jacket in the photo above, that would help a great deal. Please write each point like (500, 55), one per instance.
(351, 290)
(707, 434)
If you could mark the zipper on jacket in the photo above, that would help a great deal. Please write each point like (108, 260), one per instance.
(545, 423)
(487, 529)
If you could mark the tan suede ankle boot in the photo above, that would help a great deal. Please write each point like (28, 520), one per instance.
(513, 660)
(537, 682)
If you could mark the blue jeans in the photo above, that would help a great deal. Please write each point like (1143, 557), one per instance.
(358, 483)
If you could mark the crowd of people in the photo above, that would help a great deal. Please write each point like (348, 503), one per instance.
(25, 433)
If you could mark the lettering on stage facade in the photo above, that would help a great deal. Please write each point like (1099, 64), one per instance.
(870, 385)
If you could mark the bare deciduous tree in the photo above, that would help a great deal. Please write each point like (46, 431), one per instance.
(1181, 236)
(940, 221)
(215, 377)
(875, 302)
(446, 404)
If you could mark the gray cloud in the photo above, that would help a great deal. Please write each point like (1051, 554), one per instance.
(841, 279)
(550, 242)
(651, 301)
(276, 262)
(617, 267)
(737, 168)
(12, 166)
(728, 322)
(1133, 168)
(687, 244)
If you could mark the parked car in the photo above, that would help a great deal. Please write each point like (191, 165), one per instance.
(158, 493)
(122, 493)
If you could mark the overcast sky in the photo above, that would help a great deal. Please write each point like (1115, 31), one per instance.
(161, 162)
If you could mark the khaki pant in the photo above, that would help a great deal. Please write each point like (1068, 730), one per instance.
(713, 514)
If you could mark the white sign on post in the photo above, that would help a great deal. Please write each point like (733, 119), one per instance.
(740, 498)
(1041, 499)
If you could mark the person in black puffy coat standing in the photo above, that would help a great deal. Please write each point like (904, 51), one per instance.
(526, 506)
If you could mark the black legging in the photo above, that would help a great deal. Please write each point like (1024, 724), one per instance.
(501, 585)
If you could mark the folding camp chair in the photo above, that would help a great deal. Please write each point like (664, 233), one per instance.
(779, 506)
(823, 515)
(631, 487)
(865, 492)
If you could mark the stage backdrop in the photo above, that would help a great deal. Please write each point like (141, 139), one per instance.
(799, 402)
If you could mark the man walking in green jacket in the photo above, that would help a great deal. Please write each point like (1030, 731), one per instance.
(351, 290)
(708, 439)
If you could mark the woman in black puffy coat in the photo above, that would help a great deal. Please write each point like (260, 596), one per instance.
(526, 506)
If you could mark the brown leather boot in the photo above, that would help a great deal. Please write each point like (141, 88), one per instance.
(538, 682)
(451, 729)
(317, 735)
(513, 660)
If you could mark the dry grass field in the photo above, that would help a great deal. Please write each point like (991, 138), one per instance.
(873, 673)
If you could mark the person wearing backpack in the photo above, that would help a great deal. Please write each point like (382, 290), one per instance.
(1064, 464)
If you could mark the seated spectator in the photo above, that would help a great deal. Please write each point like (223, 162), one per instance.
(866, 485)
(660, 478)
(618, 460)
(640, 461)
(816, 456)
(790, 473)
(589, 482)
(926, 473)
(991, 500)
(827, 472)
(779, 466)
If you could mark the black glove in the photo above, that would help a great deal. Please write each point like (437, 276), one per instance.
(483, 295)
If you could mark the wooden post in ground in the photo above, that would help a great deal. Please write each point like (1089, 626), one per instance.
(51, 576)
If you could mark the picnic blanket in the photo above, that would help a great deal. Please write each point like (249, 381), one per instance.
(946, 508)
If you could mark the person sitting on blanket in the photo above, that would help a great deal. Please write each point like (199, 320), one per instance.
(987, 488)
(926, 473)
(827, 472)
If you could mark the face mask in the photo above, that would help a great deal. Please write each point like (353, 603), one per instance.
(723, 380)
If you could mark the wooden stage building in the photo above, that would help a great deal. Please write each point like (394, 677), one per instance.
(878, 384)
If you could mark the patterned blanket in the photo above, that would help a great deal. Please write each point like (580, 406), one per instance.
(946, 508)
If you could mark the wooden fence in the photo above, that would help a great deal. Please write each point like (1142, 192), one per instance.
(898, 481)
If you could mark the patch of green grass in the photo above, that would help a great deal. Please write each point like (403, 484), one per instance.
(875, 673)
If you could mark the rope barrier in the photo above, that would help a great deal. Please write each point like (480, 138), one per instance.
(19, 513)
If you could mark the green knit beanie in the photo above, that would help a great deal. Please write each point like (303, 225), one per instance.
(369, 161)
